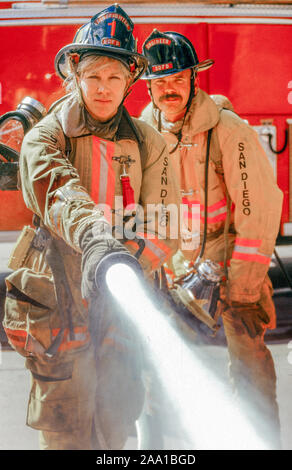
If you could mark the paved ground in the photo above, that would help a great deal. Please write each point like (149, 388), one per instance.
(14, 379)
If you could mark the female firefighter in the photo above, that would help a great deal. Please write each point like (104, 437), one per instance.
(86, 388)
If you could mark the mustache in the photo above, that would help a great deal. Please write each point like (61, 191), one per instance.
(168, 96)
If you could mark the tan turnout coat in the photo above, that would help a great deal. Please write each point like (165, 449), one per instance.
(71, 191)
(256, 200)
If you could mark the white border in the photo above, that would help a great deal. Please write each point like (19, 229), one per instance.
(154, 9)
(149, 20)
(42, 14)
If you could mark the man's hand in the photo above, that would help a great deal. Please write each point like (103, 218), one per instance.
(253, 316)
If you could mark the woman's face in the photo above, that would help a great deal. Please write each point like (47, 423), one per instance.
(103, 85)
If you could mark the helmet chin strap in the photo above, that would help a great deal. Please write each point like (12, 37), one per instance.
(129, 90)
(194, 82)
(73, 63)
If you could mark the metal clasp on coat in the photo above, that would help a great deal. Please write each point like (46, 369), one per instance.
(125, 161)
(185, 144)
(190, 192)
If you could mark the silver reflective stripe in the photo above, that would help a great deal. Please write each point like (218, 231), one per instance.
(80, 336)
(103, 176)
(55, 215)
(155, 249)
(73, 195)
(222, 210)
(250, 250)
(246, 249)
(71, 192)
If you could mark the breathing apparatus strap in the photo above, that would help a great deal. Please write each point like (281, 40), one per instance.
(206, 198)
(216, 156)
(17, 116)
(213, 151)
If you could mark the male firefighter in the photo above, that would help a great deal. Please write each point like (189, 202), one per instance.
(86, 388)
(240, 205)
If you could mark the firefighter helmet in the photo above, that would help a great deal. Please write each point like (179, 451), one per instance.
(108, 33)
(169, 53)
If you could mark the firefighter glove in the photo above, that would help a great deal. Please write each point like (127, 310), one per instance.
(95, 244)
(253, 317)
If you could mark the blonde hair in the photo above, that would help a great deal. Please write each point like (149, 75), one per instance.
(90, 61)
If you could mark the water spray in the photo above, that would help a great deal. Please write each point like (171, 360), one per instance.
(206, 408)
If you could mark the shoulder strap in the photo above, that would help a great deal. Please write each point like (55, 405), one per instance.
(216, 153)
(143, 153)
(216, 157)
(140, 139)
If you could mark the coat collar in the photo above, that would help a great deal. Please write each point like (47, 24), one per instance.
(203, 114)
(72, 119)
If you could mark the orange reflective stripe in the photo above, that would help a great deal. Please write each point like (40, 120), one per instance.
(169, 273)
(248, 242)
(216, 206)
(191, 209)
(151, 257)
(215, 212)
(221, 263)
(159, 247)
(16, 337)
(247, 249)
(19, 337)
(56, 212)
(189, 202)
(155, 251)
(102, 175)
(258, 258)
(217, 218)
(194, 214)
(81, 334)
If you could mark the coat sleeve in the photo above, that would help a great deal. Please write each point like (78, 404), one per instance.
(158, 225)
(51, 186)
(258, 203)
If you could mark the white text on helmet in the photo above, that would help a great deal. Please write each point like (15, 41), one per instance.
(112, 42)
(113, 15)
(155, 41)
(159, 67)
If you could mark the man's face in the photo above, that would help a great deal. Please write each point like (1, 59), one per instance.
(171, 94)
(103, 87)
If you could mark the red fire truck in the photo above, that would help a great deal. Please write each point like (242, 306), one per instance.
(250, 43)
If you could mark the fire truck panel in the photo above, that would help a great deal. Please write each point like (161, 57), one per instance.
(253, 67)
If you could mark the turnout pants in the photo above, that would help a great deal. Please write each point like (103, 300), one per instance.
(253, 374)
(91, 398)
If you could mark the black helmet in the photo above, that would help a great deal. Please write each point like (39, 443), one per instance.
(170, 53)
(108, 33)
